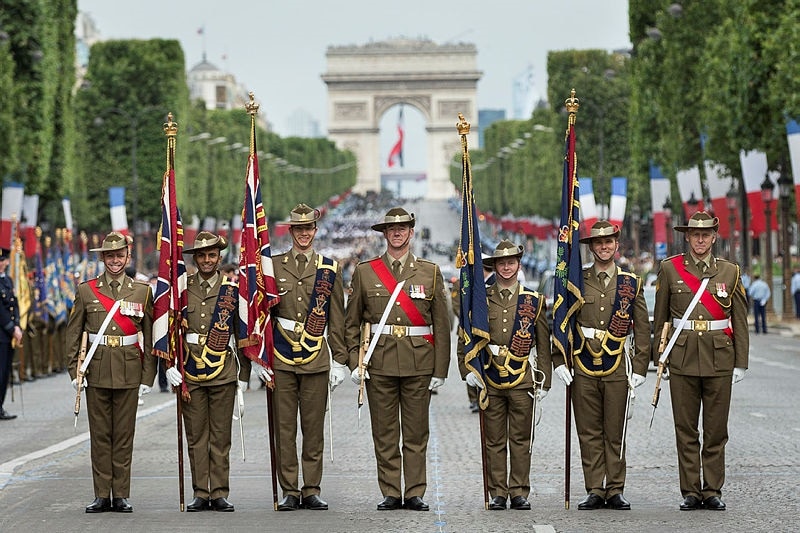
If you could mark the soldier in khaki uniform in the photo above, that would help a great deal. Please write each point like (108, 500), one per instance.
(518, 329)
(211, 369)
(709, 355)
(312, 299)
(121, 369)
(410, 360)
(604, 374)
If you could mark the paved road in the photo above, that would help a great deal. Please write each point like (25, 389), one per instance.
(45, 476)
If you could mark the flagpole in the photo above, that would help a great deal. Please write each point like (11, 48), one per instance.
(175, 330)
(473, 311)
(568, 255)
(264, 343)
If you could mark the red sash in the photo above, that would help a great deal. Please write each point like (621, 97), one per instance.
(408, 307)
(708, 301)
(125, 323)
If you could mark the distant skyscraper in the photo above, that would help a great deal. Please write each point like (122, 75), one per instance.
(523, 94)
(485, 119)
(303, 124)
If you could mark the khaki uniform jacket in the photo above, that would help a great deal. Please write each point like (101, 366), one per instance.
(199, 312)
(295, 290)
(408, 355)
(598, 304)
(698, 353)
(501, 323)
(121, 367)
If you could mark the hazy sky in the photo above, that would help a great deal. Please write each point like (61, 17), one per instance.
(276, 48)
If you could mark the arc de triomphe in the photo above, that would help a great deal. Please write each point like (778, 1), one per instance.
(365, 81)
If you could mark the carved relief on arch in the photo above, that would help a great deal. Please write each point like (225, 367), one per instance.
(350, 110)
(421, 102)
(451, 108)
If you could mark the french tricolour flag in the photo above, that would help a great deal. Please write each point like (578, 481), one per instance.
(116, 202)
(619, 199)
(793, 136)
(588, 205)
(11, 212)
(754, 169)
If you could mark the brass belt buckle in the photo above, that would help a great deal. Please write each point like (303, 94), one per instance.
(201, 339)
(113, 341)
(298, 328)
(599, 334)
(700, 325)
(399, 331)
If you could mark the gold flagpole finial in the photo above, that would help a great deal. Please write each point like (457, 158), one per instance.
(251, 106)
(572, 102)
(170, 127)
(462, 125)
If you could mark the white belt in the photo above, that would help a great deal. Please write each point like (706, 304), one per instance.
(291, 325)
(701, 325)
(593, 333)
(114, 341)
(402, 331)
(196, 338)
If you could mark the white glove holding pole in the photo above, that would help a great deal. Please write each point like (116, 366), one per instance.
(75, 384)
(337, 375)
(637, 380)
(665, 374)
(263, 373)
(738, 374)
(144, 389)
(563, 374)
(473, 381)
(174, 376)
(355, 378)
(435, 383)
(239, 409)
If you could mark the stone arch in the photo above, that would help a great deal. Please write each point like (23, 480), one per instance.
(365, 81)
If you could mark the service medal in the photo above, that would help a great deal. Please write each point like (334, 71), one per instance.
(722, 290)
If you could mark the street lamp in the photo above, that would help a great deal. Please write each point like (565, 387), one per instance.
(766, 195)
(730, 198)
(667, 207)
(692, 202)
(785, 186)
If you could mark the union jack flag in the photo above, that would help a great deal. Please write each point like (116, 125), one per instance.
(169, 303)
(257, 288)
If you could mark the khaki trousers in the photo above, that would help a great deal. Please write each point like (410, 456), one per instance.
(112, 421)
(507, 433)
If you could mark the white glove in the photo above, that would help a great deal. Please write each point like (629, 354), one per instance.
(763, 303)
(337, 375)
(242, 385)
(355, 378)
(174, 376)
(473, 381)
(738, 374)
(436, 383)
(75, 384)
(563, 374)
(637, 379)
(144, 389)
(263, 373)
(542, 393)
(665, 374)
(240, 400)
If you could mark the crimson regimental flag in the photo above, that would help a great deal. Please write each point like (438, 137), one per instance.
(258, 291)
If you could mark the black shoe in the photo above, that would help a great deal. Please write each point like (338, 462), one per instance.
(315, 503)
(390, 503)
(198, 504)
(164, 389)
(5, 415)
(520, 503)
(690, 503)
(289, 503)
(713, 503)
(591, 502)
(498, 503)
(618, 503)
(121, 505)
(221, 505)
(415, 503)
(99, 505)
